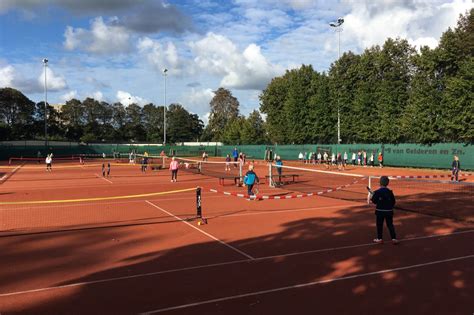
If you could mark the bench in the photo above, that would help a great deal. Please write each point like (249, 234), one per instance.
(235, 178)
(280, 178)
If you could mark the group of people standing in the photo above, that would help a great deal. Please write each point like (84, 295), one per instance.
(360, 158)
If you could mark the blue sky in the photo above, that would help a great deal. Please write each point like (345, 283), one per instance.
(116, 50)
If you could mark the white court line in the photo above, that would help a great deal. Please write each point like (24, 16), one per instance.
(102, 177)
(6, 176)
(205, 233)
(277, 211)
(303, 285)
(150, 274)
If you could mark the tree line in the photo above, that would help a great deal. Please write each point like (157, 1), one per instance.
(387, 94)
(94, 121)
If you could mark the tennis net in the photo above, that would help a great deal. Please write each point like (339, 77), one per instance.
(37, 216)
(22, 160)
(154, 162)
(337, 185)
(219, 169)
(438, 198)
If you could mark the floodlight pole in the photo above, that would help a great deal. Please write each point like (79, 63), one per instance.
(338, 29)
(165, 72)
(45, 63)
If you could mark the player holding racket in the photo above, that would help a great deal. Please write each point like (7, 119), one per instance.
(250, 179)
(384, 201)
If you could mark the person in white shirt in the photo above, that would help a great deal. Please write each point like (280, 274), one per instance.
(353, 158)
(49, 162)
(319, 157)
(300, 156)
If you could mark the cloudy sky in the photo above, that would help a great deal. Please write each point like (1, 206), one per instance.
(116, 50)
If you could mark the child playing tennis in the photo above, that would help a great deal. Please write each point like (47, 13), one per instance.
(250, 179)
(174, 166)
(49, 162)
(384, 202)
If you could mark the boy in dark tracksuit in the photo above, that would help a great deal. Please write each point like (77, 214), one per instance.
(455, 167)
(384, 201)
(250, 179)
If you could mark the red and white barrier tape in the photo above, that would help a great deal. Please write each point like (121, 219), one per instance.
(427, 176)
(267, 197)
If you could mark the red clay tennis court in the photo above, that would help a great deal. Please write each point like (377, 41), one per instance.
(75, 242)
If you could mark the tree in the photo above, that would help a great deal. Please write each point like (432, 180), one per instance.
(232, 133)
(420, 121)
(16, 112)
(72, 115)
(458, 105)
(224, 108)
(272, 102)
(296, 106)
(253, 129)
(392, 93)
(134, 130)
(153, 122)
(183, 126)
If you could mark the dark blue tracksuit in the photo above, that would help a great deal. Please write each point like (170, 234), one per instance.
(456, 167)
(384, 201)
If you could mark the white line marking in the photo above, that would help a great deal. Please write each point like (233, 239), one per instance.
(277, 211)
(142, 275)
(205, 233)
(303, 285)
(102, 177)
(6, 176)
(77, 284)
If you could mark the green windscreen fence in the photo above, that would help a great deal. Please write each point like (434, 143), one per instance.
(405, 155)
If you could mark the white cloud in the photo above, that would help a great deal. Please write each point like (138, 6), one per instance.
(126, 99)
(205, 118)
(421, 22)
(161, 57)
(248, 70)
(98, 96)
(197, 101)
(7, 74)
(102, 38)
(69, 96)
(53, 82)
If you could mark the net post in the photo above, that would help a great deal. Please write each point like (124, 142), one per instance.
(270, 175)
(198, 203)
(369, 184)
(241, 176)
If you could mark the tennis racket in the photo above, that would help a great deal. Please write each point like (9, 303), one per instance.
(256, 189)
(369, 195)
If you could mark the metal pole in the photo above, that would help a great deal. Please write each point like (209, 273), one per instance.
(164, 110)
(45, 62)
(338, 110)
(337, 28)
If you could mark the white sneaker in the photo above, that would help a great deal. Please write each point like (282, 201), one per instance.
(395, 241)
(378, 241)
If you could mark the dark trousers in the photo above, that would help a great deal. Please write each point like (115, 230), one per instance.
(455, 174)
(174, 174)
(249, 190)
(388, 217)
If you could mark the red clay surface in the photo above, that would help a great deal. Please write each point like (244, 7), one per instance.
(140, 255)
